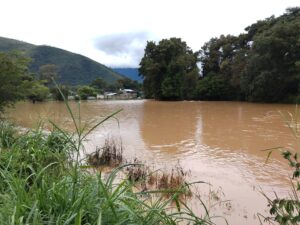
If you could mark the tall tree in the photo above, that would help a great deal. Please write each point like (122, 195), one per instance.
(272, 72)
(13, 72)
(99, 84)
(223, 57)
(35, 91)
(59, 92)
(86, 91)
(48, 73)
(168, 68)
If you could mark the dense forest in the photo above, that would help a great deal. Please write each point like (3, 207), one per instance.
(262, 64)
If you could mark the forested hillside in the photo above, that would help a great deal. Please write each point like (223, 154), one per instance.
(73, 69)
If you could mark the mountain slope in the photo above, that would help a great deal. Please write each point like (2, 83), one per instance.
(73, 69)
(7, 44)
(131, 73)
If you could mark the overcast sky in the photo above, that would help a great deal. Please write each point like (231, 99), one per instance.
(115, 32)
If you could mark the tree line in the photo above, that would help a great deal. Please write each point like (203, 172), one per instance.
(262, 65)
(18, 83)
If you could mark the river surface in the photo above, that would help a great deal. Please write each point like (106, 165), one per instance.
(221, 143)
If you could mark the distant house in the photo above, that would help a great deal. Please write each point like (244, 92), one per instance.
(91, 98)
(99, 96)
(128, 94)
(110, 95)
(122, 94)
(71, 97)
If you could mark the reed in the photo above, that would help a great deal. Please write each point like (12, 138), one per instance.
(111, 154)
(286, 210)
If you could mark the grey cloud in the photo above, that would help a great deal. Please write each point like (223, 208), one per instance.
(124, 45)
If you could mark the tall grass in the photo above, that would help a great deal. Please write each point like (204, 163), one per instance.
(286, 210)
(44, 182)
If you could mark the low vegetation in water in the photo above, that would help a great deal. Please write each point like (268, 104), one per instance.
(111, 154)
(163, 181)
(137, 172)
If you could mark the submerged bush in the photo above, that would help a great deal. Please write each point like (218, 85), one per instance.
(111, 154)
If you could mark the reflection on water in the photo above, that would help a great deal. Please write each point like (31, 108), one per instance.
(220, 142)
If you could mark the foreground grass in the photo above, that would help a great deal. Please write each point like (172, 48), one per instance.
(42, 181)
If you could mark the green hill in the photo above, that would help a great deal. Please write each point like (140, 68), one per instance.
(73, 69)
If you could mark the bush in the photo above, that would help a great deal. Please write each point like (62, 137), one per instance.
(85, 91)
(7, 134)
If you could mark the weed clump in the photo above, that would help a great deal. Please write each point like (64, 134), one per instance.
(173, 180)
(7, 134)
(163, 181)
(111, 154)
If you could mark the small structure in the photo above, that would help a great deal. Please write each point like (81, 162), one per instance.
(128, 94)
(122, 94)
(110, 95)
(91, 98)
(99, 96)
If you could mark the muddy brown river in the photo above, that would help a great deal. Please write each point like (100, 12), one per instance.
(221, 143)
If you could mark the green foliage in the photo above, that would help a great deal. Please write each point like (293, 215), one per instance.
(123, 83)
(272, 60)
(286, 210)
(99, 84)
(7, 45)
(168, 68)
(73, 69)
(47, 73)
(260, 65)
(13, 72)
(223, 57)
(7, 134)
(85, 91)
(35, 91)
(213, 87)
(126, 83)
(57, 93)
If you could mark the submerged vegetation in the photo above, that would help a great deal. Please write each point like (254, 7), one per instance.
(111, 154)
(162, 181)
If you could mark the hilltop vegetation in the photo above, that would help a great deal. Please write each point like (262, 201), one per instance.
(73, 69)
(260, 65)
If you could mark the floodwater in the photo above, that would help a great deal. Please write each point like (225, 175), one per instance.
(221, 143)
